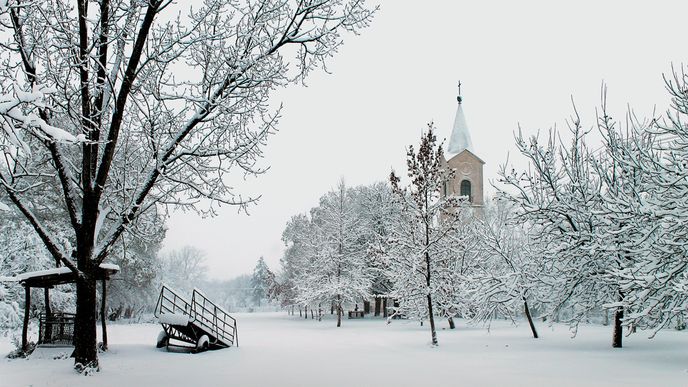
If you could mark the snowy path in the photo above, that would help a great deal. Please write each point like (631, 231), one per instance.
(280, 350)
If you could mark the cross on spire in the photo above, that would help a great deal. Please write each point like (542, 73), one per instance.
(458, 98)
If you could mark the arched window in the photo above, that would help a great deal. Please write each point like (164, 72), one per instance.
(466, 189)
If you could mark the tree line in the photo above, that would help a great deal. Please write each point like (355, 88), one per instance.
(578, 235)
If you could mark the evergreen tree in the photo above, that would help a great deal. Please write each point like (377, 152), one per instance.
(262, 282)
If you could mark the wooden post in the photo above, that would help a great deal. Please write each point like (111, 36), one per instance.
(25, 329)
(48, 333)
(103, 297)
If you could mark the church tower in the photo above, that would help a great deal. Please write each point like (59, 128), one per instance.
(460, 156)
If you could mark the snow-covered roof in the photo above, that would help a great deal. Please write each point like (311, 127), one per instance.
(460, 138)
(53, 272)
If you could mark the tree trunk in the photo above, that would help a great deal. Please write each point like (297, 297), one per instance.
(85, 352)
(617, 336)
(433, 332)
(605, 321)
(339, 311)
(25, 328)
(300, 315)
(530, 318)
(366, 307)
(451, 323)
(378, 304)
(305, 312)
(384, 307)
(103, 298)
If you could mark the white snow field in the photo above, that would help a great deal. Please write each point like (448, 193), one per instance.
(280, 350)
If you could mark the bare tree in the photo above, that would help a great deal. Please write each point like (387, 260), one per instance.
(105, 111)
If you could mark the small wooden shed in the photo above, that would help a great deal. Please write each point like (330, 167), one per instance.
(58, 328)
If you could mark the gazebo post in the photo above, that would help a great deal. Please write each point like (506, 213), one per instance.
(103, 297)
(46, 294)
(48, 334)
(27, 306)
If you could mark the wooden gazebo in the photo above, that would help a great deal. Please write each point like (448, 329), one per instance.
(58, 328)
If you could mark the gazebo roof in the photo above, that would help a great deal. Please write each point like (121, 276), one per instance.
(57, 276)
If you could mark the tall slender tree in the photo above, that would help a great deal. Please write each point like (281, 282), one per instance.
(427, 219)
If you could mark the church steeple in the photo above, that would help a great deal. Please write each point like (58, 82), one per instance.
(468, 178)
(460, 138)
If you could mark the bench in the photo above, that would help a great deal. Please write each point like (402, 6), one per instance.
(356, 314)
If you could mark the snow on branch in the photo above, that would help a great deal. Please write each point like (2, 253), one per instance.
(18, 108)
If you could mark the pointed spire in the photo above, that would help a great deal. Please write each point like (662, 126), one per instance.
(460, 138)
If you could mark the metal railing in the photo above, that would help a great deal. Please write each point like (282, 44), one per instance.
(170, 302)
(212, 317)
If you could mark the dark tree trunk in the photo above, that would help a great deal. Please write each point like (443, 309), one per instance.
(451, 323)
(305, 312)
(433, 332)
(366, 307)
(384, 307)
(85, 352)
(103, 298)
(25, 328)
(300, 314)
(378, 303)
(530, 318)
(339, 311)
(617, 336)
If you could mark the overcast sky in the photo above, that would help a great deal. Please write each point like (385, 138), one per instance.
(519, 63)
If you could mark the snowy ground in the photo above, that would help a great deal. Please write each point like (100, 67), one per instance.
(280, 350)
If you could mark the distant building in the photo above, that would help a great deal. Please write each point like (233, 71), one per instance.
(460, 156)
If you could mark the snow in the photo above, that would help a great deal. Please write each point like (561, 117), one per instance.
(109, 266)
(281, 350)
(174, 319)
(460, 138)
(53, 271)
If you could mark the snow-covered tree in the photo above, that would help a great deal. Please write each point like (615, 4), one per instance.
(560, 199)
(498, 275)
(21, 251)
(645, 203)
(296, 237)
(335, 271)
(262, 282)
(183, 269)
(96, 105)
(420, 257)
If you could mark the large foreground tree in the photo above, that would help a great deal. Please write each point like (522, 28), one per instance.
(121, 108)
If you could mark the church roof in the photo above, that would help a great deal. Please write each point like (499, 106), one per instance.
(460, 138)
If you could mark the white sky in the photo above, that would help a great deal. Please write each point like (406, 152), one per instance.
(519, 62)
